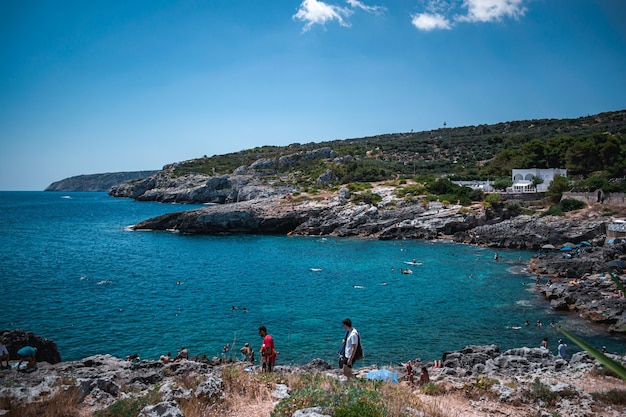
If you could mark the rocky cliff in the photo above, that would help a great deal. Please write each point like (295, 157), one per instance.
(97, 182)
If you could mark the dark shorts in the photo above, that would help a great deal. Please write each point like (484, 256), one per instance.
(268, 365)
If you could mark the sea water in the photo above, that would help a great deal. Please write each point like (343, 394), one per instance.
(71, 271)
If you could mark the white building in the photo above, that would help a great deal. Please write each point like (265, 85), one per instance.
(485, 186)
(523, 179)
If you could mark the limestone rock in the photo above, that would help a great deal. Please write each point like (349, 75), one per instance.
(211, 388)
(531, 232)
(16, 339)
(310, 412)
(162, 409)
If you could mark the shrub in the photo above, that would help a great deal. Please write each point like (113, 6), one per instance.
(433, 389)
(366, 197)
(130, 406)
(481, 387)
(564, 206)
(569, 204)
(412, 189)
(476, 195)
(542, 392)
(614, 396)
(493, 200)
(359, 186)
(555, 210)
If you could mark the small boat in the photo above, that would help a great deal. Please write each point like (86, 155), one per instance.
(316, 269)
(414, 263)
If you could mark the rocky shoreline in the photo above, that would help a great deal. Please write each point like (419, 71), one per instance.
(99, 381)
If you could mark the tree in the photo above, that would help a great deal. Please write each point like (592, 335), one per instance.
(502, 183)
(535, 181)
(556, 189)
(493, 200)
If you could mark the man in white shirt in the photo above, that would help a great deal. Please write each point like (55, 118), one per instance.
(351, 343)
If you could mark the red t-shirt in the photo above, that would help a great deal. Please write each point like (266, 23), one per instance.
(268, 349)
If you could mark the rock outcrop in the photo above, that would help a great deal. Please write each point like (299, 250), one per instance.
(312, 218)
(262, 216)
(581, 283)
(16, 339)
(532, 232)
(402, 220)
(199, 189)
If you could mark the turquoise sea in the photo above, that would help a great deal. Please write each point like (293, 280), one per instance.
(72, 272)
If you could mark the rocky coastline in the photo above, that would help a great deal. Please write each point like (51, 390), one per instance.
(99, 381)
(243, 203)
(102, 380)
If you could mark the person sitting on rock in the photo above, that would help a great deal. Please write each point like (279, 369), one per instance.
(183, 354)
(424, 377)
(27, 353)
(134, 358)
(247, 352)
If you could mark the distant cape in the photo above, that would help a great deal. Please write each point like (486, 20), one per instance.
(97, 182)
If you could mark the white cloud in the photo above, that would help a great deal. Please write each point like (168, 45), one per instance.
(356, 4)
(315, 12)
(490, 10)
(430, 21)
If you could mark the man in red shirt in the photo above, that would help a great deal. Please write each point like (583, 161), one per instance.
(267, 350)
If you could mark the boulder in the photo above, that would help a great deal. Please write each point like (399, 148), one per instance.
(162, 409)
(211, 388)
(16, 339)
(469, 356)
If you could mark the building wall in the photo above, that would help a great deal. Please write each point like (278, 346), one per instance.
(546, 174)
(610, 199)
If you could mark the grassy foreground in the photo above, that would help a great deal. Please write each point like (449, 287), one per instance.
(357, 397)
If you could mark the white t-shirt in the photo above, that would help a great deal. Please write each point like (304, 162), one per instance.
(352, 342)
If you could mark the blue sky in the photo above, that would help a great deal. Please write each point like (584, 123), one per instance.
(105, 86)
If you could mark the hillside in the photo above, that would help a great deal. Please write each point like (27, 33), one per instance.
(462, 151)
(97, 182)
(468, 152)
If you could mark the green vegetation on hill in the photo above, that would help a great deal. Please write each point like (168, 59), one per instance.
(591, 148)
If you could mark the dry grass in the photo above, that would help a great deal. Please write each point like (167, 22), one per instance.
(65, 403)
(244, 392)
(249, 394)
